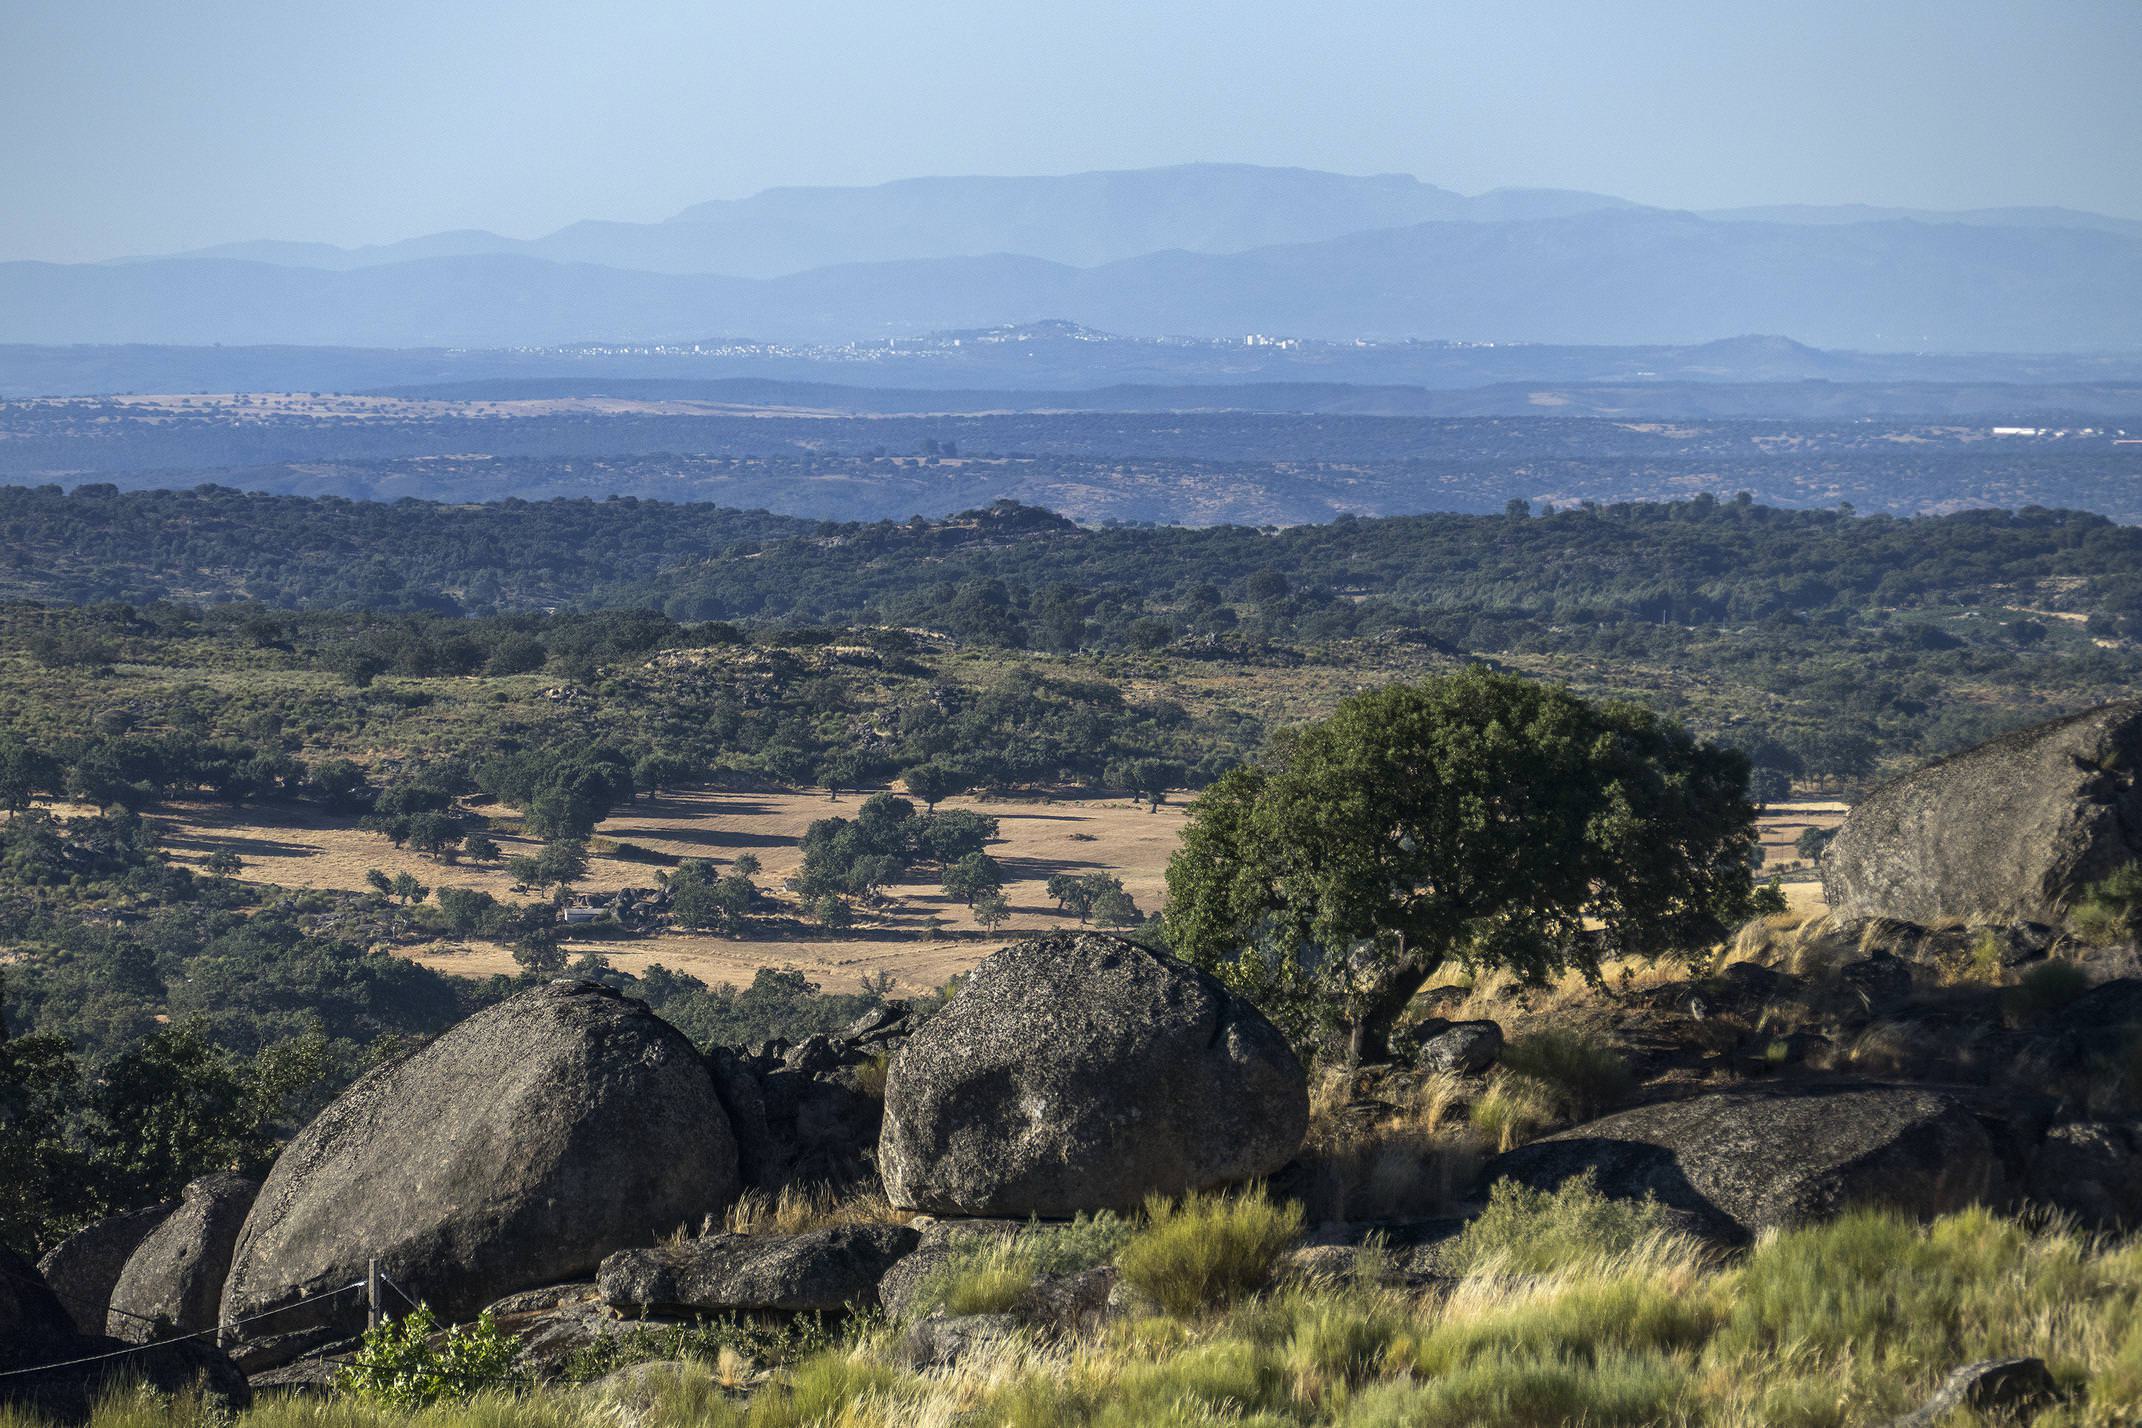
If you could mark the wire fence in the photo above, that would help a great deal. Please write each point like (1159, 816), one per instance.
(228, 1324)
(518, 1380)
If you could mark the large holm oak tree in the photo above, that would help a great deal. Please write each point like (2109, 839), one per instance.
(1474, 817)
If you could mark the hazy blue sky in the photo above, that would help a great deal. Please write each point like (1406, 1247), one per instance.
(148, 125)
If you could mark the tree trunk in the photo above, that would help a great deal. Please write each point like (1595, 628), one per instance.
(1377, 1012)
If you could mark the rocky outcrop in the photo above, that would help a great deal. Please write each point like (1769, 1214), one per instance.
(173, 1282)
(1731, 1164)
(1463, 1048)
(83, 1268)
(1083, 1072)
(517, 1150)
(2004, 833)
(33, 1325)
(2091, 1170)
(808, 1114)
(2067, 1057)
(828, 1269)
(68, 1372)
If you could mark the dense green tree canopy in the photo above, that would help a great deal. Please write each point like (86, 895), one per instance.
(1475, 817)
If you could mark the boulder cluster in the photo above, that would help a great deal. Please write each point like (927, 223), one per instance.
(566, 1157)
(572, 1163)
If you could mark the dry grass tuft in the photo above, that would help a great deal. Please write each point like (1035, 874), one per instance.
(795, 1210)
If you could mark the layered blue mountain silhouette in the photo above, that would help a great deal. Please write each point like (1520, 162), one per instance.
(1199, 250)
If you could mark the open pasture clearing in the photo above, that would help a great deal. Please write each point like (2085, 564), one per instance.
(919, 937)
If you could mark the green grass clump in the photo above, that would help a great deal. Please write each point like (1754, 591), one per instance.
(1511, 1111)
(2046, 988)
(2110, 909)
(1530, 1231)
(1578, 1074)
(835, 1387)
(990, 1282)
(987, 1273)
(1207, 1250)
(1887, 1307)
(1502, 1391)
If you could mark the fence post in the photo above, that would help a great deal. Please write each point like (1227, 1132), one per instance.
(371, 1294)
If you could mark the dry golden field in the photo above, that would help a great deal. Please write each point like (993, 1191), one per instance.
(918, 939)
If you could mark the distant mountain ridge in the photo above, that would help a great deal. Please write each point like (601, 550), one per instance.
(1079, 220)
(1202, 250)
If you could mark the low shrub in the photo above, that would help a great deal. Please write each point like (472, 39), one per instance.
(1208, 1250)
(720, 1343)
(1085, 1242)
(409, 1363)
(1976, 964)
(2110, 909)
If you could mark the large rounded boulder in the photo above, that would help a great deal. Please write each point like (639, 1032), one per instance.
(34, 1328)
(515, 1151)
(1729, 1165)
(2007, 832)
(1085, 1072)
(84, 1268)
(54, 1374)
(173, 1281)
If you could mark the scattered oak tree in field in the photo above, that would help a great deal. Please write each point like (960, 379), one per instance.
(992, 910)
(560, 864)
(1147, 780)
(1476, 818)
(933, 783)
(1099, 896)
(563, 861)
(1114, 907)
(701, 899)
(973, 876)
